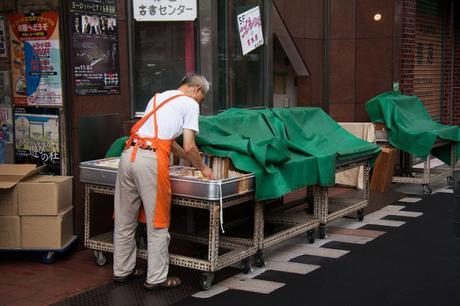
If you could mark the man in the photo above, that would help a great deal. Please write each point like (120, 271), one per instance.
(77, 28)
(95, 28)
(86, 25)
(143, 175)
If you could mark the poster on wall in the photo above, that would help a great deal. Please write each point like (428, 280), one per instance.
(6, 119)
(95, 47)
(5, 98)
(36, 59)
(6, 124)
(37, 137)
(3, 52)
(250, 28)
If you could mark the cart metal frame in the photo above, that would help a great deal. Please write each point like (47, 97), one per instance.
(239, 248)
(426, 175)
(327, 209)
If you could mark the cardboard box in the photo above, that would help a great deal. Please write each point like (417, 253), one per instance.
(44, 195)
(10, 175)
(48, 232)
(9, 201)
(10, 232)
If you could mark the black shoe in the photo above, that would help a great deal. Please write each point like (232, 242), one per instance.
(135, 274)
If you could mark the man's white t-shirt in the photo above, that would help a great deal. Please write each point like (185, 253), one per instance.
(179, 114)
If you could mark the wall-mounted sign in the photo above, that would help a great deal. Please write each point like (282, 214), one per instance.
(250, 28)
(95, 47)
(2, 37)
(37, 137)
(165, 10)
(36, 59)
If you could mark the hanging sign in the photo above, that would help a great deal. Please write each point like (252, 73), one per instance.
(36, 59)
(95, 47)
(165, 10)
(250, 28)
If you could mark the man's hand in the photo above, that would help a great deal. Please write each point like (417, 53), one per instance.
(207, 173)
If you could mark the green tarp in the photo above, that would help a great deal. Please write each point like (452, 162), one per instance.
(410, 126)
(286, 148)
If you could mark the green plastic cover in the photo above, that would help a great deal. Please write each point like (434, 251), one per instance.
(410, 126)
(286, 148)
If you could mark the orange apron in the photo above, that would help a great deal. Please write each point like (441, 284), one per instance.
(162, 148)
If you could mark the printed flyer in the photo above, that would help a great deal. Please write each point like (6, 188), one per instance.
(36, 59)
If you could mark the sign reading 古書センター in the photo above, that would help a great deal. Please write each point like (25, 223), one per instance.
(165, 10)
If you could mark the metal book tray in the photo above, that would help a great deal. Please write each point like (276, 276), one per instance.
(183, 183)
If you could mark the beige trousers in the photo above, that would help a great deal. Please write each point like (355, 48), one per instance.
(136, 182)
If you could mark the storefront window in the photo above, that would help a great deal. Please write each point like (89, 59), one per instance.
(163, 53)
(240, 78)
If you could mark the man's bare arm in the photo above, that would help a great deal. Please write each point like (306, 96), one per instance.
(192, 153)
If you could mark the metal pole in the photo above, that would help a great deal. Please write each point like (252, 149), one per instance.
(456, 186)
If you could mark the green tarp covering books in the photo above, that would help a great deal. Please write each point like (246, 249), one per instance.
(410, 126)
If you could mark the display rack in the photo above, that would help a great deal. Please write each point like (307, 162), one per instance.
(328, 208)
(426, 175)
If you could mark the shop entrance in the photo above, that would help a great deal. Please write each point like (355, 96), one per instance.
(288, 64)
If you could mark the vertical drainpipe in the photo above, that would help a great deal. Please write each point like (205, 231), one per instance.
(66, 69)
(327, 17)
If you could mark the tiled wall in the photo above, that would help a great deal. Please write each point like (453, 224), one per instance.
(362, 61)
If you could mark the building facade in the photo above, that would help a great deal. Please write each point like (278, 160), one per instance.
(333, 54)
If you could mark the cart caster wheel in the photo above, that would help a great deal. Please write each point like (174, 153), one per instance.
(246, 266)
(101, 259)
(322, 231)
(311, 236)
(450, 180)
(206, 280)
(48, 258)
(427, 189)
(360, 213)
(259, 260)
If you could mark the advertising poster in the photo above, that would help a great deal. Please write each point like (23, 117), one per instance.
(35, 58)
(3, 51)
(250, 28)
(5, 97)
(37, 137)
(95, 47)
(6, 124)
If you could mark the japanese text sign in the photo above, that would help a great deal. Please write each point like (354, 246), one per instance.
(250, 28)
(165, 10)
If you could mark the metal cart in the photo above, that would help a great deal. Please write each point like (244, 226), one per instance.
(48, 254)
(327, 208)
(192, 193)
(427, 174)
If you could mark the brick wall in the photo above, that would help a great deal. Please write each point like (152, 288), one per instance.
(408, 16)
(447, 73)
(456, 72)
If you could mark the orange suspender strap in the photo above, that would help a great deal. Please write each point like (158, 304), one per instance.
(142, 141)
